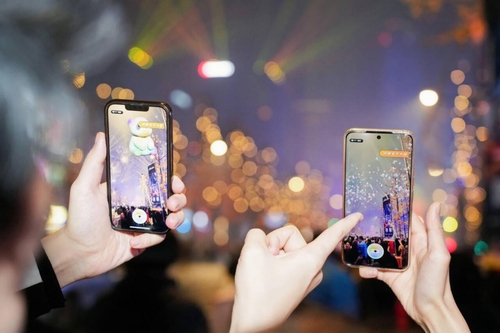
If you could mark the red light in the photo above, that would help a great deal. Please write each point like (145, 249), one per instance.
(200, 69)
(451, 244)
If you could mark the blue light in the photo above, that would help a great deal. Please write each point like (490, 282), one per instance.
(181, 99)
(185, 227)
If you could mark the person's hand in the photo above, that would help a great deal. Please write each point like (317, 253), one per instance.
(275, 272)
(87, 245)
(424, 288)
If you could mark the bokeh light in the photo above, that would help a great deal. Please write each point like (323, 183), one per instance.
(435, 171)
(274, 72)
(336, 201)
(451, 244)
(216, 69)
(218, 147)
(457, 77)
(332, 221)
(481, 248)
(140, 57)
(103, 90)
(439, 195)
(185, 227)
(296, 184)
(76, 156)
(264, 113)
(428, 97)
(181, 99)
(450, 224)
(58, 216)
(201, 221)
(482, 133)
(79, 80)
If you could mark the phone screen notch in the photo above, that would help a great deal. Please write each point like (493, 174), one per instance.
(137, 107)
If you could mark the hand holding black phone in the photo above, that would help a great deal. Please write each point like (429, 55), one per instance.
(139, 164)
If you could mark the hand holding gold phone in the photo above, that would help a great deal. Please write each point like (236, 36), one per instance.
(378, 182)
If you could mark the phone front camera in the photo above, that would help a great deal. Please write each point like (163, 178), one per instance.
(378, 137)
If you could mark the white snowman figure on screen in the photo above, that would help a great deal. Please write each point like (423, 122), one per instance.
(141, 143)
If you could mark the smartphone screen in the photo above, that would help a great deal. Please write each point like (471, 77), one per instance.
(378, 177)
(139, 164)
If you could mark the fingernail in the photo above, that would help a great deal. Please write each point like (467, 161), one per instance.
(174, 219)
(371, 272)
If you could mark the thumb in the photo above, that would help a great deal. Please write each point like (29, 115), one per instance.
(255, 240)
(326, 242)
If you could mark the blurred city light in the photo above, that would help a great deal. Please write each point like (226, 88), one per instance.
(451, 244)
(181, 99)
(332, 221)
(185, 227)
(428, 97)
(201, 221)
(450, 224)
(296, 184)
(276, 219)
(457, 77)
(140, 57)
(122, 93)
(218, 147)
(274, 72)
(336, 201)
(76, 156)
(57, 218)
(439, 195)
(215, 68)
(480, 248)
(435, 172)
(79, 80)
(103, 90)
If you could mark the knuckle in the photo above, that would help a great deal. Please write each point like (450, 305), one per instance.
(441, 257)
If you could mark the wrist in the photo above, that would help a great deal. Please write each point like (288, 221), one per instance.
(445, 317)
(235, 322)
(61, 257)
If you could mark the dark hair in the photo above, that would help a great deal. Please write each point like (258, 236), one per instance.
(43, 44)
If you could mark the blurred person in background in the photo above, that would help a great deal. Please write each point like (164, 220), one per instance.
(146, 299)
(337, 291)
(42, 44)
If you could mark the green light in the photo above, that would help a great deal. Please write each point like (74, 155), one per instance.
(332, 222)
(480, 248)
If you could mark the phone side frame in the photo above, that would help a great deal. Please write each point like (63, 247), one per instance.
(170, 151)
(410, 214)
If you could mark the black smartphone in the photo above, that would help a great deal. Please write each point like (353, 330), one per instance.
(139, 164)
(378, 182)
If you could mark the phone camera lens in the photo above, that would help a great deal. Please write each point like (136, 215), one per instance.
(378, 137)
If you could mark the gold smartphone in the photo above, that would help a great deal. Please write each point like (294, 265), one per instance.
(378, 182)
(138, 164)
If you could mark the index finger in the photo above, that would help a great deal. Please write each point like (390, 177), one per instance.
(177, 185)
(326, 242)
(93, 166)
